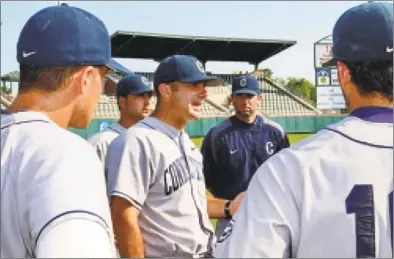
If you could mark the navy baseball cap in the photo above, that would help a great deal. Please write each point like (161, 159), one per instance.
(65, 36)
(364, 33)
(245, 85)
(181, 68)
(133, 84)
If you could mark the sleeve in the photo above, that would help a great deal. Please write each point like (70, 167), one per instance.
(285, 141)
(69, 184)
(266, 224)
(75, 238)
(208, 159)
(282, 140)
(129, 169)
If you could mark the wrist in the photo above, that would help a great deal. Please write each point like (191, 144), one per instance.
(227, 213)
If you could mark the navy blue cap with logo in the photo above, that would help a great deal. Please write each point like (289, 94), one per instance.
(364, 33)
(245, 85)
(180, 68)
(133, 84)
(65, 36)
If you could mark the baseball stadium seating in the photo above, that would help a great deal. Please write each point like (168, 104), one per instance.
(277, 101)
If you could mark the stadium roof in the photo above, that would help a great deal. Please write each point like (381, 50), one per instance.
(158, 46)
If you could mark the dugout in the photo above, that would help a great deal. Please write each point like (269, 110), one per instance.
(155, 46)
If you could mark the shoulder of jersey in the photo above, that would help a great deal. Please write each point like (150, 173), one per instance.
(274, 124)
(142, 129)
(312, 147)
(46, 136)
(52, 137)
(221, 126)
(106, 135)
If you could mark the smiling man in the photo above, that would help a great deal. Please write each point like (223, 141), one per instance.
(157, 187)
(234, 149)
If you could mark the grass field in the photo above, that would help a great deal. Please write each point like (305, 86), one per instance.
(293, 138)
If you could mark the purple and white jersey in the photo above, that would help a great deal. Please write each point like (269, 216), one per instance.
(330, 195)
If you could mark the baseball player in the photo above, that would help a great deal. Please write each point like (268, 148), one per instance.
(53, 198)
(235, 148)
(155, 176)
(133, 94)
(331, 195)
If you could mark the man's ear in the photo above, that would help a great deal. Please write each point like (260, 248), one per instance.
(344, 75)
(122, 101)
(345, 79)
(260, 97)
(165, 91)
(83, 79)
(230, 99)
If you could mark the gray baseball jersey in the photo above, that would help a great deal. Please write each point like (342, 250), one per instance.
(102, 139)
(159, 171)
(49, 179)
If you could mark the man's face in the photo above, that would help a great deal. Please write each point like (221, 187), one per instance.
(89, 83)
(137, 107)
(245, 104)
(187, 99)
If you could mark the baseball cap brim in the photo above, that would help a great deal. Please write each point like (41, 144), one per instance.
(245, 91)
(198, 79)
(330, 63)
(142, 91)
(114, 65)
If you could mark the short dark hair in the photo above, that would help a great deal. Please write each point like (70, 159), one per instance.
(174, 86)
(372, 77)
(48, 79)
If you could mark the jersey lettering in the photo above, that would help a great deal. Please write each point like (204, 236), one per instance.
(177, 174)
(360, 201)
(269, 147)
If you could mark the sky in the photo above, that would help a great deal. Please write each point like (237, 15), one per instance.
(302, 21)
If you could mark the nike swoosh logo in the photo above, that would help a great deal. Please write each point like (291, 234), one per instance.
(388, 50)
(233, 151)
(25, 55)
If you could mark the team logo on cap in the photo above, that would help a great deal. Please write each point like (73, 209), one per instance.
(145, 80)
(242, 82)
(200, 66)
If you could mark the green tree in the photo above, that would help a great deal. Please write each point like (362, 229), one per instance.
(303, 86)
(266, 72)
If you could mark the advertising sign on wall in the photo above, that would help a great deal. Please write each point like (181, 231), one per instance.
(330, 97)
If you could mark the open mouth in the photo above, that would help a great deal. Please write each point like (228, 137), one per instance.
(196, 104)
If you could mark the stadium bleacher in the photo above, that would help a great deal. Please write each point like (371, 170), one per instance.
(277, 101)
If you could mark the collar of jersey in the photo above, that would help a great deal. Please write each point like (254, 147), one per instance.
(245, 124)
(163, 127)
(374, 114)
(27, 115)
(117, 127)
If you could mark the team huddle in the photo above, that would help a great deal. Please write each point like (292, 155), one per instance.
(142, 189)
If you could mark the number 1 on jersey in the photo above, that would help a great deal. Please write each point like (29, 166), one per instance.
(360, 201)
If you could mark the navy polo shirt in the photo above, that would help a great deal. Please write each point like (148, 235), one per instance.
(233, 150)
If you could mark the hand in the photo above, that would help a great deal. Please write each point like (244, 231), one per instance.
(235, 203)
